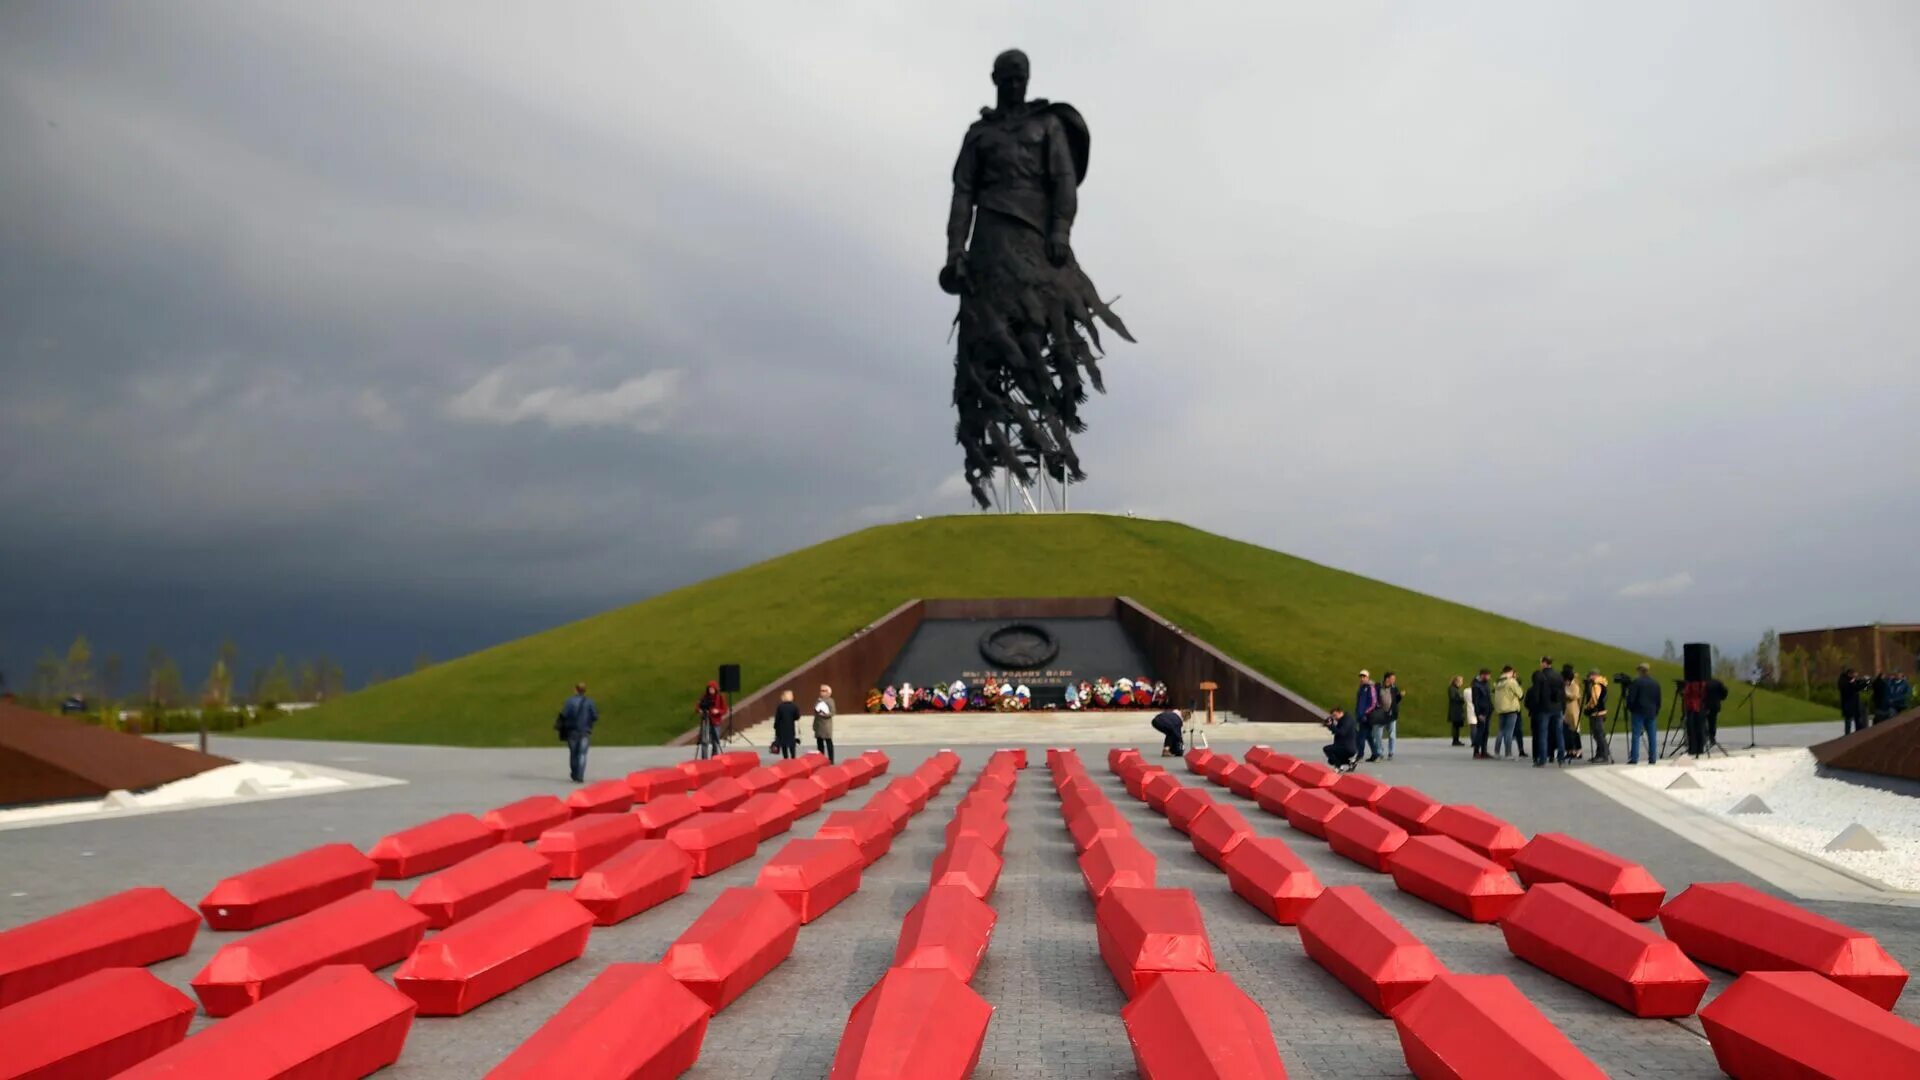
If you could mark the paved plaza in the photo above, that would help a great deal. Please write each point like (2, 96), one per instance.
(1057, 1010)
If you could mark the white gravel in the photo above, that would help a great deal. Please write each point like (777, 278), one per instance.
(1808, 810)
(226, 784)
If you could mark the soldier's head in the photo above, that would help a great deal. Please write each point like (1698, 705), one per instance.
(1010, 72)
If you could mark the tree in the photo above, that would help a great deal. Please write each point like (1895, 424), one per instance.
(1725, 668)
(76, 675)
(112, 673)
(1668, 652)
(1766, 660)
(47, 673)
(276, 687)
(218, 691)
(306, 682)
(164, 687)
(332, 678)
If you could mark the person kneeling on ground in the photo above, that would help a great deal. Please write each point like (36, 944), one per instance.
(574, 725)
(1170, 724)
(1343, 752)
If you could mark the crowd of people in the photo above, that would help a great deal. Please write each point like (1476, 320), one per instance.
(1004, 696)
(1498, 714)
(1865, 700)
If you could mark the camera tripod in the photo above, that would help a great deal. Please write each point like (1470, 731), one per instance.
(1708, 740)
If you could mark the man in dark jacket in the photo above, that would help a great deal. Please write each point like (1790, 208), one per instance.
(1366, 705)
(1877, 689)
(1852, 716)
(1481, 690)
(786, 726)
(575, 726)
(1547, 701)
(1716, 699)
(1643, 716)
(1344, 751)
(1171, 725)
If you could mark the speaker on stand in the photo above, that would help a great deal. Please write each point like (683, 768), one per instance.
(729, 680)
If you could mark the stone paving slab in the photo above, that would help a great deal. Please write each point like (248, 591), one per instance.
(1057, 1008)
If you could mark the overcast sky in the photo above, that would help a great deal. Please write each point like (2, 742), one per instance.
(379, 329)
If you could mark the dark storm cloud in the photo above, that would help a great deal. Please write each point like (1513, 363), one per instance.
(454, 322)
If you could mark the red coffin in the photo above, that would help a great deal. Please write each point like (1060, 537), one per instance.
(1197, 1025)
(1478, 831)
(915, 1022)
(720, 793)
(867, 828)
(1312, 775)
(788, 768)
(1738, 928)
(1186, 805)
(1157, 788)
(1408, 808)
(762, 779)
(1257, 754)
(1266, 873)
(736, 762)
(911, 788)
(601, 797)
(594, 1037)
(742, 935)
(1097, 823)
(1800, 1024)
(1118, 754)
(1440, 871)
(949, 928)
(128, 929)
(337, 1022)
(1624, 886)
(96, 1025)
(894, 806)
(1310, 809)
(516, 940)
(805, 795)
(991, 802)
(1197, 761)
(1349, 934)
(859, 771)
(1075, 798)
(1144, 933)
(812, 759)
(1279, 764)
(373, 929)
(835, 779)
(812, 875)
(1117, 862)
(1134, 780)
(877, 760)
(716, 841)
(1241, 778)
(1001, 783)
(1218, 767)
(1482, 1025)
(970, 863)
(665, 812)
(1568, 934)
(703, 770)
(991, 829)
(642, 875)
(520, 821)
(1060, 756)
(1013, 755)
(1216, 831)
(1365, 837)
(289, 887)
(650, 784)
(583, 843)
(434, 845)
(1272, 791)
(1359, 789)
(772, 814)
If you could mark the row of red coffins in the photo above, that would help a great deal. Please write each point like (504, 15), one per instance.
(1183, 1018)
(921, 1018)
(741, 936)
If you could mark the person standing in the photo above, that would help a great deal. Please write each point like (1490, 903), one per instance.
(1459, 707)
(712, 708)
(1575, 696)
(1481, 703)
(1507, 699)
(1170, 724)
(823, 723)
(1716, 700)
(1877, 691)
(575, 725)
(1852, 718)
(786, 726)
(1390, 698)
(1546, 699)
(1596, 710)
(1366, 703)
(1899, 693)
(1643, 716)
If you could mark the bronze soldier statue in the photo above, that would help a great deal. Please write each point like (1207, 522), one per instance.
(1026, 322)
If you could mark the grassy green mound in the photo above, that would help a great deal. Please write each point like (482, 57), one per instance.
(1307, 626)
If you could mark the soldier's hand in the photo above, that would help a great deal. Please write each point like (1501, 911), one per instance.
(1057, 251)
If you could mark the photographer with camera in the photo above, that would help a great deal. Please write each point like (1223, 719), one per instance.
(1343, 753)
(1852, 718)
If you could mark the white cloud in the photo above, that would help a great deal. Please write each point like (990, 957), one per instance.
(1671, 585)
(515, 393)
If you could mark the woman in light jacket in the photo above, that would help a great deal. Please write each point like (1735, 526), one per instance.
(823, 723)
(1574, 693)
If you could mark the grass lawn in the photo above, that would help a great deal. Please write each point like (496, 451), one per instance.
(1308, 626)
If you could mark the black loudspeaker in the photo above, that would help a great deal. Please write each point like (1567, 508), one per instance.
(1699, 661)
(730, 677)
